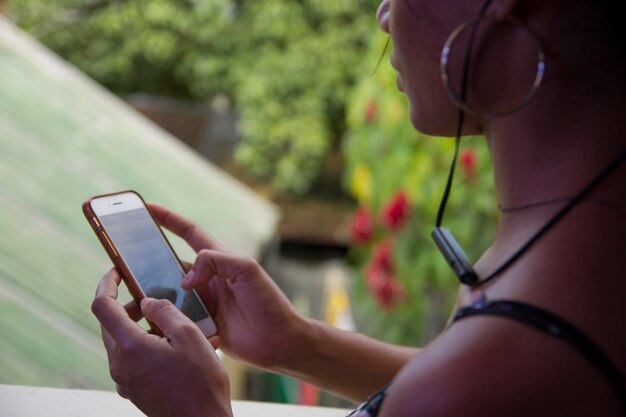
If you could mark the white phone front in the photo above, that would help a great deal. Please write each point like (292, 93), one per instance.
(147, 255)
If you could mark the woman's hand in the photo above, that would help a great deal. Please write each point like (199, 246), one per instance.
(256, 321)
(178, 374)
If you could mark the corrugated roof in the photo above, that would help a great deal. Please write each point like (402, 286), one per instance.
(62, 139)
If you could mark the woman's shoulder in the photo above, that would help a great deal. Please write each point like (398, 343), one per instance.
(490, 366)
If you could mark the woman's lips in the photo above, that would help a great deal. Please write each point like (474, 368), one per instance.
(399, 79)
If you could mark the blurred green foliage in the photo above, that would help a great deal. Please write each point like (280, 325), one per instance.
(288, 64)
(386, 156)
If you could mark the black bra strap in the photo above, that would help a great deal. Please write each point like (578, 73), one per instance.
(371, 406)
(554, 326)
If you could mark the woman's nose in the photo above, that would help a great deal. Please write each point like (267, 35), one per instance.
(382, 16)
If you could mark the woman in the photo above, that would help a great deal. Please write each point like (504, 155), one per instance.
(567, 288)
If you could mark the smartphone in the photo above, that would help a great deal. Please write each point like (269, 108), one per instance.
(142, 255)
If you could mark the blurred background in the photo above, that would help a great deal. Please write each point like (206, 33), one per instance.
(275, 124)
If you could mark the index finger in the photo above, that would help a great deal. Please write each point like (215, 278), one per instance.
(193, 234)
(110, 313)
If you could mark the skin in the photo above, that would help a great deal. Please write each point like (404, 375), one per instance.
(482, 366)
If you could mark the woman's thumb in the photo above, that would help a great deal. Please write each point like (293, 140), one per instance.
(170, 320)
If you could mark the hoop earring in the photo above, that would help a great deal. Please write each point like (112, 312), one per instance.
(458, 101)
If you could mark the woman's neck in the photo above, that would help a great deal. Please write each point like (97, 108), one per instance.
(551, 150)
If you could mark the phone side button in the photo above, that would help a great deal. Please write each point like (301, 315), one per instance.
(110, 247)
(95, 223)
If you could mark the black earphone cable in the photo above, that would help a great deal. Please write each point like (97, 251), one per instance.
(461, 118)
(446, 193)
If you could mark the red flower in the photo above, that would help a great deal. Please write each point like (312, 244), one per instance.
(380, 277)
(384, 286)
(389, 294)
(362, 226)
(371, 112)
(468, 160)
(396, 211)
(383, 257)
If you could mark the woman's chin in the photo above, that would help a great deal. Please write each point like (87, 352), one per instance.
(425, 123)
(442, 123)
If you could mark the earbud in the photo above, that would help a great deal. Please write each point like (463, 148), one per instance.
(455, 256)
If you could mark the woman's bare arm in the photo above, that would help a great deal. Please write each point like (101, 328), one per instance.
(347, 364)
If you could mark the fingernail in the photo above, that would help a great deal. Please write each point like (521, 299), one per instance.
(189, 278)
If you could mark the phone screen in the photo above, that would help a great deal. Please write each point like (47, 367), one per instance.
(150, 260)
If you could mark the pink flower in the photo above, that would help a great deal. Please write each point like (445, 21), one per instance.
(396, 211)
(375, 276)
(362, 226)
(371, 112)
(467, 161)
